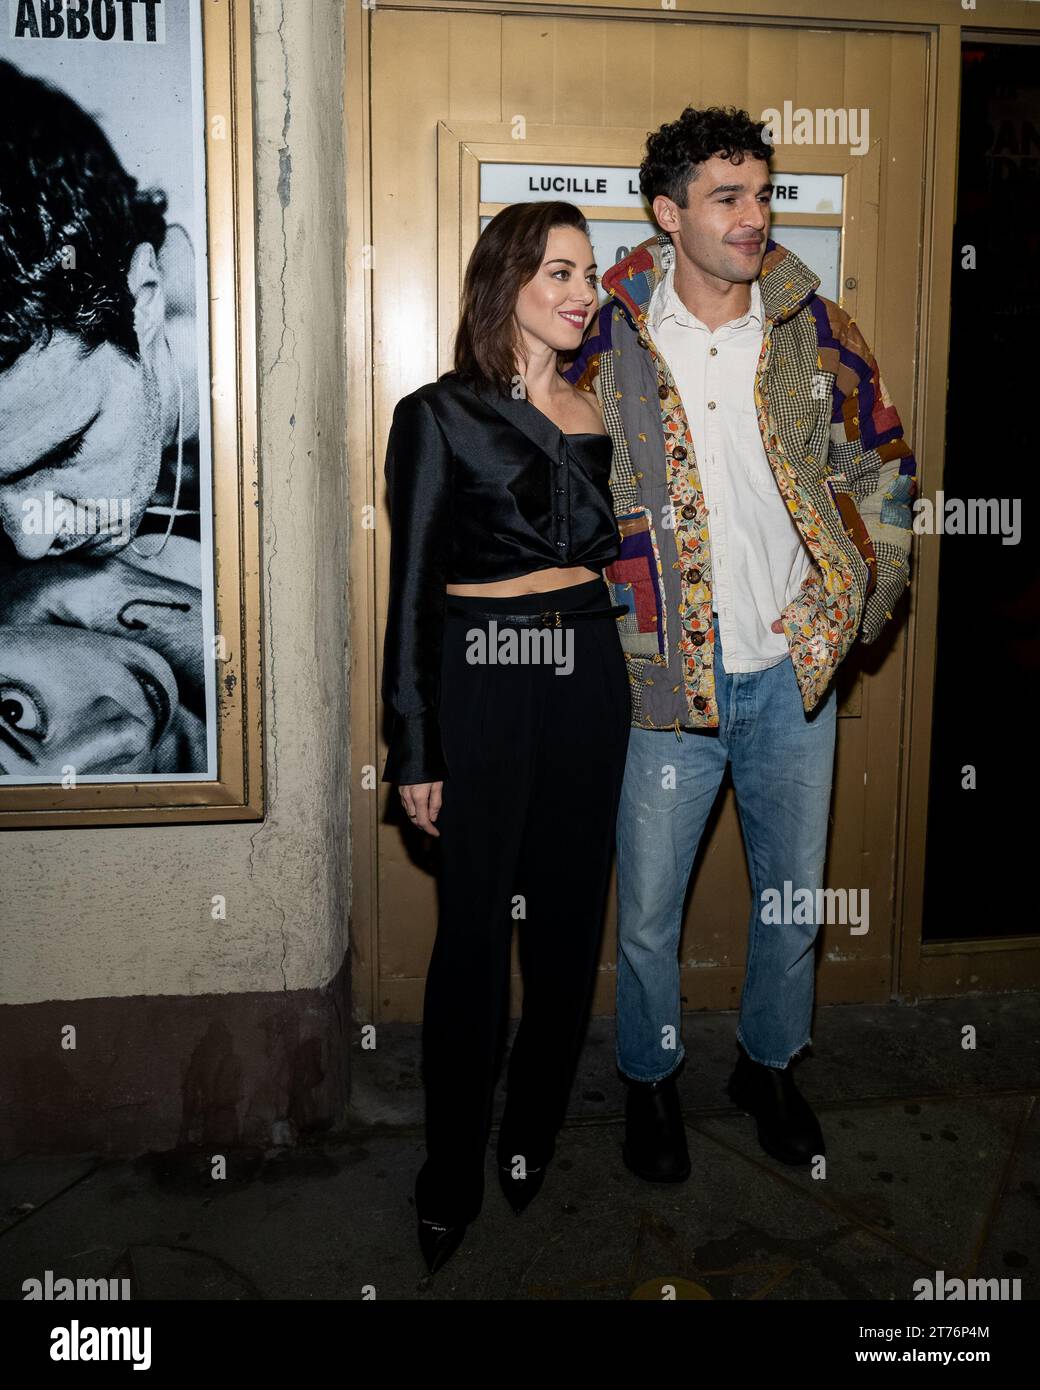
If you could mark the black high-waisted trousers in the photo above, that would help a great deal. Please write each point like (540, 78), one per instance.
(535, 764)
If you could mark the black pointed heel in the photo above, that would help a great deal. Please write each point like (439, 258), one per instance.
(520, 1192)
(438, 1243)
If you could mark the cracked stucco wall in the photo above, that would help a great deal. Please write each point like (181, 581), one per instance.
(97, 912)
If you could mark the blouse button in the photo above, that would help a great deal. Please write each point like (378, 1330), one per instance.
(662, 391)
(679, 453)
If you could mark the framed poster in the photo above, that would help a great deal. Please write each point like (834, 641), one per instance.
(130, 678)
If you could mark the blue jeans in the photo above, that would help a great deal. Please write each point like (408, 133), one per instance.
(782, 762)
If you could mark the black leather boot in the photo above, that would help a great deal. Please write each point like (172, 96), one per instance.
(788, 1129)
(655, 1136)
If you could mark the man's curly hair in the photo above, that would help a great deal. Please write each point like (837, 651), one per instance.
(674, 152)
(62, 189)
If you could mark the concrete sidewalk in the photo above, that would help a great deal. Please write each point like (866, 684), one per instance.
(933, 1164)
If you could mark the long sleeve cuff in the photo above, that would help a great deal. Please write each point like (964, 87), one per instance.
(415, 752)
(892, 579)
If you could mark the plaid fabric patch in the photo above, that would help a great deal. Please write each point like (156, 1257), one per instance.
(634, 582)
(622, 479)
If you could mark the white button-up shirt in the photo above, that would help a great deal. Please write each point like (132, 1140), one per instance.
(758, 559)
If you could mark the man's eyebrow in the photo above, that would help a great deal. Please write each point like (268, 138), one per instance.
(767, 187)
(54, 456)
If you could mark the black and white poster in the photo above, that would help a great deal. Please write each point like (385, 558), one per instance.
(106, 545)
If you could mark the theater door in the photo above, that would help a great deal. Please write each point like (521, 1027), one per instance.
(465, 112)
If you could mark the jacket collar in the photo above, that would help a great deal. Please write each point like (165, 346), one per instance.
(527, 418)
(786, 283)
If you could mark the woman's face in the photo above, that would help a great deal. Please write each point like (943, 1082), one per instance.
(556, 305)
(69, 696)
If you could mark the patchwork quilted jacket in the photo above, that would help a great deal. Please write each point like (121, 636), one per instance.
(836, 450)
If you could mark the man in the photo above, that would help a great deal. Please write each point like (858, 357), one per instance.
(763, 491)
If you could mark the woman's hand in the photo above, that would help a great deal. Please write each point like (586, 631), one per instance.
(422, 801)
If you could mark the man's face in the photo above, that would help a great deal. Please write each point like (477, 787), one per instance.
(84, 427)
(724, 227)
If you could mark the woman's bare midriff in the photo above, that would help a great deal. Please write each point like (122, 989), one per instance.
(540, 582)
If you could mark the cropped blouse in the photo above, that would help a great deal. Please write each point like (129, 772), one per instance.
(481, 487)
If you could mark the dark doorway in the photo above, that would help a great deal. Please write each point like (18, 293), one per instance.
(981, 847)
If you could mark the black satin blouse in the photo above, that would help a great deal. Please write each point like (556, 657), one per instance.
(482, 487)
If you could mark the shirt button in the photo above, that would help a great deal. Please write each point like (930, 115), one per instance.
(558, 517)
(561, 545)
(559, 492)
(693, 575)
(699, 702)
(714, 351)
(711, 405)
(698, 639)
(679, 453)
(689, 511)
(662, 391)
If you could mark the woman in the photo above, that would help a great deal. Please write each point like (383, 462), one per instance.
(504, 673)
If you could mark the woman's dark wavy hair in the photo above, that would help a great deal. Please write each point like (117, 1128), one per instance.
(507, 255)
(674, 152)
(62, 187)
